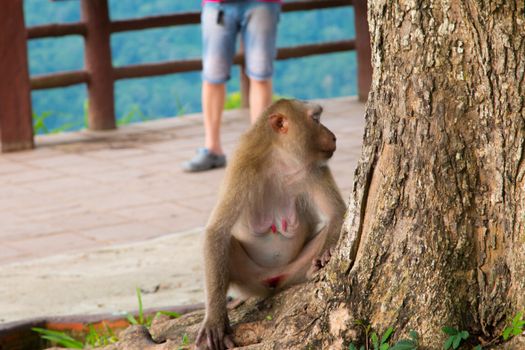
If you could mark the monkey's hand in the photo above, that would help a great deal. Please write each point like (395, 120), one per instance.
(214, 335)
(321, 261)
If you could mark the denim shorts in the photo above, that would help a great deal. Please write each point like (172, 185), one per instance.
(222, 22)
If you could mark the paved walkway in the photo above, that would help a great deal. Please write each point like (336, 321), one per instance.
(80, 191)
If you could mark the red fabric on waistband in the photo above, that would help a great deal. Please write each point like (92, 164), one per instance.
(278, 1)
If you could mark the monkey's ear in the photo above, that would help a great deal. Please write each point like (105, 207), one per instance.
(279, 123)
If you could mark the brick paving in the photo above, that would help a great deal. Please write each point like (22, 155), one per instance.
(85, 190)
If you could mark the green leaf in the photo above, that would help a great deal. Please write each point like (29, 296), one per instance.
(449, 330)
(72, 344)
(506, 333)
(60, 338)
(517, 318)
(362, 347)
(171, 314)
(148, 322)
(131, 319)
(375, 340)
(516, 331)
(448, 343)
(457, 341)
(464, 335)
(404, 344)
(185, 339)
(387, 335)
(352, 347)
(384, 346)
(477, 347)
(413, 334)
(141, 311)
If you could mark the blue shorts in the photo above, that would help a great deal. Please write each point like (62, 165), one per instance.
(257, 24)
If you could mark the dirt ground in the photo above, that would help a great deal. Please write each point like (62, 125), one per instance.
(104, 280)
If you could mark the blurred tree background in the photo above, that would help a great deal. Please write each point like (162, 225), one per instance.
(168, 96)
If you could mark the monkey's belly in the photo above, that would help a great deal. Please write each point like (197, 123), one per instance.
(273, 249)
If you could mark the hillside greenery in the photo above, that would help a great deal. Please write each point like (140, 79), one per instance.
(167, 96)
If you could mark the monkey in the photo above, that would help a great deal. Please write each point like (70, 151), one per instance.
(278, 216)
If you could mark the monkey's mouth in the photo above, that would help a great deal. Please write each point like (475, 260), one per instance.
(328, 154)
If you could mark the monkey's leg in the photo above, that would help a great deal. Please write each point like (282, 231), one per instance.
(301, 269)
(252, 279)
(246, 276)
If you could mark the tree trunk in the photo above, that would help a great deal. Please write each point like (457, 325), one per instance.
(437, 217)
(435, 231)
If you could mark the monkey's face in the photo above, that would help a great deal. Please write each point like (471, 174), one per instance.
(321, 138)
(297, 126)
(317, 140)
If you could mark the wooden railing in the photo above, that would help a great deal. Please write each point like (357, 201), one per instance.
(16, 131)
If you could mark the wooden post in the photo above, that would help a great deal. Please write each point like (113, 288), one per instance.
(16, 125)
(95, 14)
(362, 43)
(244, 80)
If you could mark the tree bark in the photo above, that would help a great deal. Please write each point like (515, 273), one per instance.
(435, 231)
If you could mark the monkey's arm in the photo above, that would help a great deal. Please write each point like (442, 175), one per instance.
(215, 328)
(330, 205)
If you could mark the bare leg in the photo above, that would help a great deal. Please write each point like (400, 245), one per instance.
(260, 97)
(213, 96)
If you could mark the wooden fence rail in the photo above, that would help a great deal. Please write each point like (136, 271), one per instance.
(16, 131)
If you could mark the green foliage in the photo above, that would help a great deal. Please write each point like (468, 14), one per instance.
(59, 338)
(383, 343)
(516, 327)
(455, 337)
(96, 339)
(171, 314)
(182, 108)
(407, 344)
(141, 319)
(233, 100)
(93, 337)
(134, 114)
(352, 347)
(39, 122)
(373, 341)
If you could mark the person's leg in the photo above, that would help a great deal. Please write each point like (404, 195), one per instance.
(260, 97)
(213, 96)
(219, 32)
(259, 32)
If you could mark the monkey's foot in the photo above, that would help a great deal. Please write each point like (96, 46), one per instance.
(214, 336)
(320, 262)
